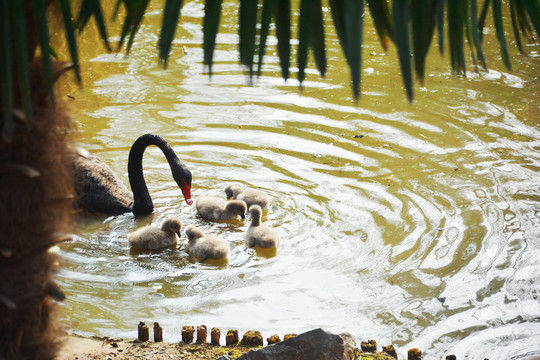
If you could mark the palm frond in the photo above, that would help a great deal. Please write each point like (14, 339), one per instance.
(212, 15)
(423, 26)
(171, 16)
(135, 10)
(499, 30)
(268, 8)
(71, 40)
(43, 34)
(247, 30)
(401, 18)
(93, 8)
(348, 18)
(533, 10)
(282, 16)
(456, 22)
(382, 20)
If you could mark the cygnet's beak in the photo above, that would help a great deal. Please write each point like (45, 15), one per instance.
(178, 233)
(243, 216)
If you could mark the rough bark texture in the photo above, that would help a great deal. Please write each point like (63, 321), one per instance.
(35, 205)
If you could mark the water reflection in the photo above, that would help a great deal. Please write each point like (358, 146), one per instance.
(412, 224)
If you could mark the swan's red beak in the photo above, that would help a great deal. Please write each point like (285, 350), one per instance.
(186, 190)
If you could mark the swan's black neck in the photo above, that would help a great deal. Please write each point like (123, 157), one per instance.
(142, 202)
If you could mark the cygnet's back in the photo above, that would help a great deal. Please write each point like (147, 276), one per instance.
(258, 234)
(249, 196)
(156, 238)
(217, 209)
(206, 246)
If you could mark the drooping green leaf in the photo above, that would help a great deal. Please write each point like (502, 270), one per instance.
(523, 21)
(171, 14)
(317, 37)
(135, 10)
(268, 8)
(515, 26)
(348, 18)
(6, 74)
(212, 13)
(482, 18)
(247, 29)
(457, 15)
(499, 30)
(70, 37)
(305, 18)
(43, 33)
(382, 20)
(116, 9)
(91, 8)
(533, 9)
(354, 22)
(401, 18)
(337, 9)
(423, 25)
(282, 16)
(475, 32)
(21, 49)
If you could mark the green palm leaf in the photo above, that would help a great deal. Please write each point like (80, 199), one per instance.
(171, 15)
(268, 8)
(423, 25)
(135, 10)
(247, 31)
(91, 8)
(456, 16)
(282, 16)
(401, 17)
(381, 16)
(212, 13)
(498, 19)
(70, 37)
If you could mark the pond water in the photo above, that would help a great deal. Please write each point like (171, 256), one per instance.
(412, 224)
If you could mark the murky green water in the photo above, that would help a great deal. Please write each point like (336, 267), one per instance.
(416, 225)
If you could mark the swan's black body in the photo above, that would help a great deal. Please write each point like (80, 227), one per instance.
(97, 188)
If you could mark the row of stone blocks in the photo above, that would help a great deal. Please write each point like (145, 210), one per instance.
(251, 338)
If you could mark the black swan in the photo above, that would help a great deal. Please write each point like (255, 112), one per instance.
(206, 246)
(259, 235)
(249, 196)
(98, 188)
(217, 209)
(155, 237)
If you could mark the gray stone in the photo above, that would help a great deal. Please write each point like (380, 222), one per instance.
(224, 357)
(312, 345)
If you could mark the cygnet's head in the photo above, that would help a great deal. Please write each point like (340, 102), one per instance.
(238, 207)
(172, 225)
(233, 190)
(255, 212)
(193, 232)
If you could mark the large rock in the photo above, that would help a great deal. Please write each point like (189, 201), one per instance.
(312, 345)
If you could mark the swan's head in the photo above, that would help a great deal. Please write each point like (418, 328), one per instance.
(182, 175)
(232, 191)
